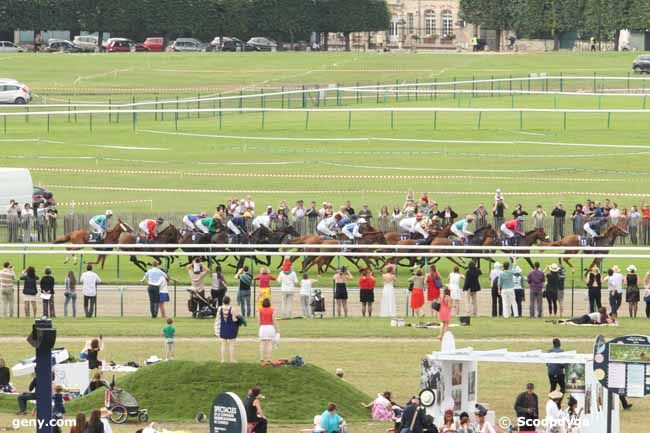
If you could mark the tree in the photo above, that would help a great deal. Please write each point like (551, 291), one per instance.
(498, 15)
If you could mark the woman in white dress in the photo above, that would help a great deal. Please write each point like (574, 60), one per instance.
(388, 308)
(454, 288)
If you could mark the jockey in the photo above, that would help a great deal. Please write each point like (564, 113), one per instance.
(237, 224)
(592, 228)
(342, 220)
(511, 228)
(327, 226)
(207, 225)
(459, 228)
(264, 220)
(351, 230)
(190, 220)
(413, 225)
(148, 227)
(99, 224)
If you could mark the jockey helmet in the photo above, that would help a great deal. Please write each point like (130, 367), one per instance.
(247, 215)
(203, 214)
(273, 216)
(521, 218)
(109, 212)
(470, 217)
(160, 220)
(362, 221)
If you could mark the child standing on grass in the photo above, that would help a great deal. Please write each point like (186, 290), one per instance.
(305, 294)
(168, 332)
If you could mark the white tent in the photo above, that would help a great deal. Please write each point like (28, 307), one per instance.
(453, 376)
(15, 183)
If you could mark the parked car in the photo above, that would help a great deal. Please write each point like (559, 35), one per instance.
(123, 45)
(42, 195)
(263, 44)
(641, 64)
(10, 47)
(155, 43)
(188, 44)
(88, 43)
(14, 92)
(62, 46)
(223, 43)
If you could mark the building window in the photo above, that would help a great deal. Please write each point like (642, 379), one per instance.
(394, 25)
(409, 24)
(447, 23)
(429, 23)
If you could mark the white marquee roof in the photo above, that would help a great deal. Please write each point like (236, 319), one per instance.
(504, 356)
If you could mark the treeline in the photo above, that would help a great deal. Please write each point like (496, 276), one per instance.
(282, 20)
(549, 19)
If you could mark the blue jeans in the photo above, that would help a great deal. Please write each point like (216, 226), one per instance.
(245, 303)
(70, 298)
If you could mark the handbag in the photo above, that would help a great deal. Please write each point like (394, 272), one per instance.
(646, 299)
(435, 305)
(438, 283)
(409, 429)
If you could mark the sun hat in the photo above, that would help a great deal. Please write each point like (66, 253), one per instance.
(555, 395)
(631, 268)
(554, 267)
(516, 270)
(497, 265)
(615, 268)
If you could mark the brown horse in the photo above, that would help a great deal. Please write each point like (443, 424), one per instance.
(80, 237)
(530, 238)
(574, 243)
(168, 235)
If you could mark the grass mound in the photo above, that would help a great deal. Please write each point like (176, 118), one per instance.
(178, 390)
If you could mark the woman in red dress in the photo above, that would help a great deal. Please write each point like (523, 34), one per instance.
(417, 293)
(445, 312)
(433, 282)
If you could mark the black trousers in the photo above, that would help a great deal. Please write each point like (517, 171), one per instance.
(615, 301)
(261, 426)
(519, 299)
(497, 301)
(557, 380)
(647, 310)
(154, 299)
(594, 300)
(217, 295)
(90, 303)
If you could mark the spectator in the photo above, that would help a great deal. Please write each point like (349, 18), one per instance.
(520, 212)
(288, 280)
(497, 300)
(454, 287)
(349, 209)
(29, 289)
(633, 220)
(13, 220)
(446, 305)
(70, 294)
(305, 294)
(559, 216)
(5, 377)
(481, 216)
(7, 280)
(331, 422)
(79, 423)
(97, 382)
(298, 215)
(412, 417)
(51, 215)
(24, 397)
(155, 278)
(632, 294)
(367, 291)
(506, 284)
(464, 426)
(646, 294)
(552, 288)
(483, 425)
(244, 292)
(366, 214)
(538, 217)
(92, 353)
(536, 280)
(645, 224)
(254, 413)
(197, 273)
(47, 293)
(341, 290)
(382, 407)
(169, 331)
(614, 281)
(398, 215)
(560, 292)
(383, 220)
(556, 371)
(471, 287)
(578, 218)
(95, 424)
(520, 285)
(527, 407)
(40, 222)
(26, 222)
(417, 292)
(264, 278)
(268, 330)
(447, 215)
(226, 327)
(89, 281)
(434, 284)
(594, 286)
(498, 212)
(219, 286)
(614, 214)
(388, 308)
(554, 414)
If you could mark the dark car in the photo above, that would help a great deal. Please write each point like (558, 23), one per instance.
(263, 44)
(56, 46)
(234, 44)
(641, 64)
(122, 45)
(41, 195)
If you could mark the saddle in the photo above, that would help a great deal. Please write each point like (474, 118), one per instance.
(142, 240)
(95, 238)
(327, 238)
(457, 243)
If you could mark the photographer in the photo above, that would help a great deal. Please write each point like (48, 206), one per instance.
(13, 219)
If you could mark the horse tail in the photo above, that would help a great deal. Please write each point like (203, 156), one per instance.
(62, 239)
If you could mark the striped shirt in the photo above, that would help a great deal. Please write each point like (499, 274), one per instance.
(7, 277)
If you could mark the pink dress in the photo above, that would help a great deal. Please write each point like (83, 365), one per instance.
(445, 312)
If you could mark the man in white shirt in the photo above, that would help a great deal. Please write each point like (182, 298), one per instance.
(263, 220)
(288, 281)
(249, 203)
(89, 281)
(7, 279)
(155, 278)
(614, 281)
(554, 414)
(497, 300)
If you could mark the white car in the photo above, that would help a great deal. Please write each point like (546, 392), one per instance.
(88, 43)
(10, 47)
(14, 92)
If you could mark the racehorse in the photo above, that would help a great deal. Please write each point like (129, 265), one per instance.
(530, 238)
(484, 236)
(606, 240)
(81, 237)
(265, 236)
(168, 235)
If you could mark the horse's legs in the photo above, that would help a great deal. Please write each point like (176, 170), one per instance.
(138, 263)
(457, 263)
(530, 262)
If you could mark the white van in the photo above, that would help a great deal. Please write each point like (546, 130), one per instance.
(87, 43)
(16, 184)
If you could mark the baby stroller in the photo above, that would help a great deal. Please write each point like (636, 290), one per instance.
(199, 306)
(317, 304)
(122, 405)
